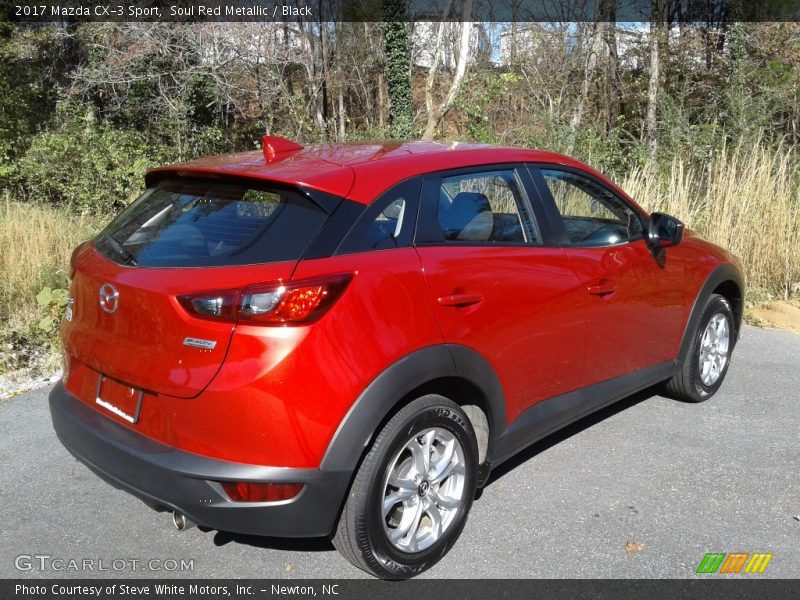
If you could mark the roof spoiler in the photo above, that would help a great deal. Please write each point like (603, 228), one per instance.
(274, 145)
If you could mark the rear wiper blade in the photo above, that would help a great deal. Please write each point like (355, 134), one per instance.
(126, 256)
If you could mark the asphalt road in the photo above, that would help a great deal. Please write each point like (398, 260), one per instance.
(681, 479)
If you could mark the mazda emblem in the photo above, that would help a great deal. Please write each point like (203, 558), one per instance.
(424, 488)
(109, 298)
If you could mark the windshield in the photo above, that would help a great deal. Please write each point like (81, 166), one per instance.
(206, 223)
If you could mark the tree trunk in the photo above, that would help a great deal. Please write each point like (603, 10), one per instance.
(652, 93)
(434, 68)
(286, 70)
(512, 51)
(382, 112)
(397, 69)
(324, 47)
(341, 109)
(658, 31)
(613, 93)
(588, 74)
(436, 114)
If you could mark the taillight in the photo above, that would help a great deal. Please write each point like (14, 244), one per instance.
(212, 305)
(252, 491)
(293, 303)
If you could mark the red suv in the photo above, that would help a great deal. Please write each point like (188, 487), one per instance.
(345, 339)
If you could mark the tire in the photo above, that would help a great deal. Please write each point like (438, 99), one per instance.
(695, 382)
(365, 532)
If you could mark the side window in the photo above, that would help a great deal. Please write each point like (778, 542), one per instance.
(387, 223)
(591, 214)
(485, 207)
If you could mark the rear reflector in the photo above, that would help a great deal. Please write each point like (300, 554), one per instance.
(293, 303)
(251, 491)
(65, 366)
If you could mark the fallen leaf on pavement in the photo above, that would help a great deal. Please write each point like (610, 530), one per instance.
(633, 547)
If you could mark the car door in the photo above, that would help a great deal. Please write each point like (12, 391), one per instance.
(632, 300)
(498, 284)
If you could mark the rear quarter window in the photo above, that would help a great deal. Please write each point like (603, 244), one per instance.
(204, 223)
(388, 222)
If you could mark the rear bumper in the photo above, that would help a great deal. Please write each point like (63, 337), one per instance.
(168, 479)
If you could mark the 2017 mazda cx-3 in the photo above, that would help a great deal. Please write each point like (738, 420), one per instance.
(345, 339)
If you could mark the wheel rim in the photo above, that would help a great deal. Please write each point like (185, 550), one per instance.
(714, 347)
(423, 490)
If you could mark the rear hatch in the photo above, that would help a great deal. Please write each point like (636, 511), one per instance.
(182, 237)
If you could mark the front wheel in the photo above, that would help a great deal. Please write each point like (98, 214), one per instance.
(706, 362)
(410, 498)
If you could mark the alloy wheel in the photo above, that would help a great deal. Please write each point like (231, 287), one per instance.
(714, 346)
(423, 490)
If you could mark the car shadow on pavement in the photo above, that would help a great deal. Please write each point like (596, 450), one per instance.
(222, 538)
(567, 432)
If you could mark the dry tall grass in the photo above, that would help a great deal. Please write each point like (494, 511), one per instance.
(35, 245)
(747, 200)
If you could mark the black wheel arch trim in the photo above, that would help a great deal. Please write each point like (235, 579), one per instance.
(720, 275)
(387, 391)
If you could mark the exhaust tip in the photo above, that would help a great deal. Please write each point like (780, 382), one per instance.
(181, 522)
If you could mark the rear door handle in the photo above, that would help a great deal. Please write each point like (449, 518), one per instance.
(460, 299)
(602, 288)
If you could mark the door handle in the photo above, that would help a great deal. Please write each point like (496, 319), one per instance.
(460, 299)
(604, 287)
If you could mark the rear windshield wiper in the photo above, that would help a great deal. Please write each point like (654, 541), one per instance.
(127, 257)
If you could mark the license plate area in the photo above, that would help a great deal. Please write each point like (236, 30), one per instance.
(119, 398)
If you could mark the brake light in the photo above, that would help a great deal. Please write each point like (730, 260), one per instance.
(292, 303)
(251, 491)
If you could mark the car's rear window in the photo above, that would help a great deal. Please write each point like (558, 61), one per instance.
(205, 223)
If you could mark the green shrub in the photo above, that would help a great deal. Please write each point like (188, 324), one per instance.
(51, 303)
(89, 171)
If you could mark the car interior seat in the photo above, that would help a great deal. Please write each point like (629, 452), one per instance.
(469, 218)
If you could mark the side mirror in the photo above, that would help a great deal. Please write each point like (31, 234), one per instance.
(664, 231)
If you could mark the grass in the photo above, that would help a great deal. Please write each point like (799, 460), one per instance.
(747, 200)
(36, 243)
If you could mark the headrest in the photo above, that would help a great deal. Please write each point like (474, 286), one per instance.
(468, 218)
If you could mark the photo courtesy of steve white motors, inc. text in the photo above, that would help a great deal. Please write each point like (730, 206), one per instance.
(173, 590)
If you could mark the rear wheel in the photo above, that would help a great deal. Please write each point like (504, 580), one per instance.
(706, 362)
(410, 498)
